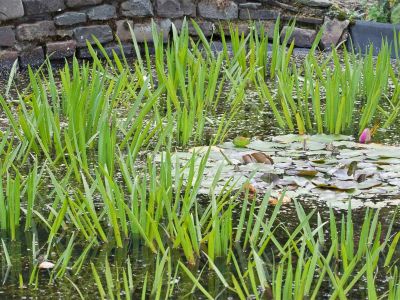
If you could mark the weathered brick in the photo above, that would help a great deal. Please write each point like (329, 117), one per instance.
(63, 33)
(11, 9)
(34, 57)
(137, 8)
(101, 12)
(80, 3)
(142, 31)
(7, 36)
(7, 59)
(175, 8)
(70, 18)
(211, 10)
(61, 50)
(36, 7)
(123, 31)
(207, 27)
(35, 31)
(102, 32)
(258, 14)
(303, 38)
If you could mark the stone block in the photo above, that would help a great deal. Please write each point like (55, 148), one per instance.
(11, 9)
(175, 8)
(211, 10)
(363, 33)
(123, 31)
(34, 57)
(64, 33)
(7, 36)
(142, 31)
(258, 14)
(36, 31)
(250, 5)
(303, 38)
(137, 8)
(70, 18)
(316, 3)
(309, 20)
(102, 32)
(207, 27)
(101, 12)
(80, 3)
(333, 32)
(268, 26)
(36, 7)
(60, 50)
(7, 59)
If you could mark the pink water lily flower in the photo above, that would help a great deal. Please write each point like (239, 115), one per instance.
(365, 136)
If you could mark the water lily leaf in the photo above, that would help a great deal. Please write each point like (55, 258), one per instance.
(377, 204)
(389, 175)
(259, 167)
(315, 155)
(241, 141)
(354, 204)
(289, 138)
(307, 171)
(384, 153)
(315, 146)
(334, 184)
(269, 177)
(264, 146)
(293, 180)
(388, 161)
(347, 144)
(343, 174)
(395, 182)
(204, 149)
(370, 183)
(328, 138)
(349, 153)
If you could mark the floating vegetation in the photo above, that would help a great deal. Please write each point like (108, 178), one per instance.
(332, 169)
(118, 179)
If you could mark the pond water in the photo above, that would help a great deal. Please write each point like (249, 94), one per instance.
(256, 121)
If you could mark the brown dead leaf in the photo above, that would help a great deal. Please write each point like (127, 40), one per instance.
(263, 158)
(248, 187)
(275, 200)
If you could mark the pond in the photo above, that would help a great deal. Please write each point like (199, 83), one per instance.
(109, 188)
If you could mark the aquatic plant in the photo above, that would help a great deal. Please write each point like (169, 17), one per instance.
(89, 163)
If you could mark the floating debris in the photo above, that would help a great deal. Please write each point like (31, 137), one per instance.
(46, 265)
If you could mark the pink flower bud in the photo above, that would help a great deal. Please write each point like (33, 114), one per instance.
(365, 136)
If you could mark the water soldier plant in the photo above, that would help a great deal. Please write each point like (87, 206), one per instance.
(95, 201)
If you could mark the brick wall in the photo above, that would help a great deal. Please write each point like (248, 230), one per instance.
(31, 29)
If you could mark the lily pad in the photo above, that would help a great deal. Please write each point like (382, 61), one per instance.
(241, 141)
(335, 184)
(370, 183)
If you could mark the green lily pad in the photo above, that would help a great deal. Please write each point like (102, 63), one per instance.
(241, 141)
